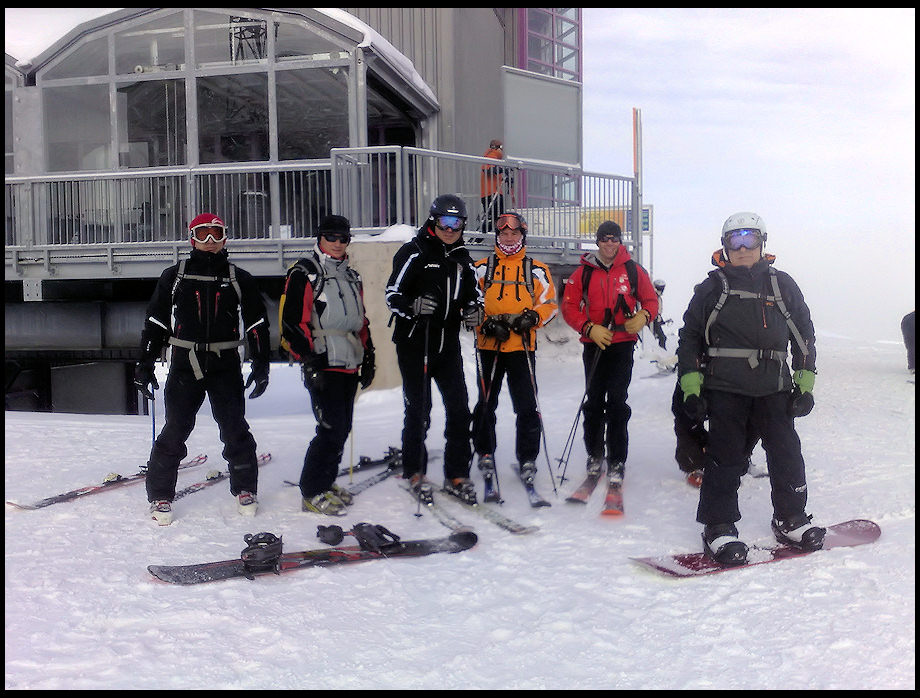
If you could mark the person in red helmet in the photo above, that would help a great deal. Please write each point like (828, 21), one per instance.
(196, 308)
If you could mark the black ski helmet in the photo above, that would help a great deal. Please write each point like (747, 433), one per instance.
(447, 205)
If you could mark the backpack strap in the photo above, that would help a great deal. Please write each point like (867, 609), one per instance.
(526, 271)
(632, 274)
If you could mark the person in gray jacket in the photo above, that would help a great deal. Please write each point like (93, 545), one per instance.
(324, 326)
(741, 324)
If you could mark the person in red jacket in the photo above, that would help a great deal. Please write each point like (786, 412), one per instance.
(608, 300)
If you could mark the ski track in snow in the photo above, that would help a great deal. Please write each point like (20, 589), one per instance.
(560, 608)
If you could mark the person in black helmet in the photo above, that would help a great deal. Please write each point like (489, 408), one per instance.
(431, 291)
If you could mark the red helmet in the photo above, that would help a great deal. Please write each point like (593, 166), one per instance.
(205, 220)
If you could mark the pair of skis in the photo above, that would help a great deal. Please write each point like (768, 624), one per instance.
(392, 459)
(613, 499)
(491, 495)
(111, 481)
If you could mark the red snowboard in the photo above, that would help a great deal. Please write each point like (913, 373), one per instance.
(842, 535)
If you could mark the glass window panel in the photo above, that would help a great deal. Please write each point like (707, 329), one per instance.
(151, 123)
(8, 132)
(539, 21)
(77, 131)
(150, 47)
(567, 58)
(539, 49)
(312, 112)
(92, 58)
(567, 12)
(293, 41)
(541, 68)
(221, 38)
(566, 32)
(233, 118)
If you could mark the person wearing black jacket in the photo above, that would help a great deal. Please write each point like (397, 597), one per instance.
(431, 291)
(196, 308)
(739, 327)
(324, 321)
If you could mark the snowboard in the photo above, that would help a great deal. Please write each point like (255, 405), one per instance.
(842, 535)
(230, 569)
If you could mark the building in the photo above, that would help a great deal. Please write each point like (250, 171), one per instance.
(131, 124)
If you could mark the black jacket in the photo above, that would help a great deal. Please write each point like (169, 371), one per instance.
(206, 310)
(427, 265)
(751, 323)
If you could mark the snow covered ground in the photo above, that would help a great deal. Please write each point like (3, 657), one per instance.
(563, 608)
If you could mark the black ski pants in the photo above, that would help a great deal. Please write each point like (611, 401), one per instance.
(522, 388)
(184, 395)
(607, 377)
(333, 407)
(445, 368)
(727, 449)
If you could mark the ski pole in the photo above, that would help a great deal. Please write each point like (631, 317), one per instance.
(533, 384)
(487, 392)
(426, 389)
(563, 460)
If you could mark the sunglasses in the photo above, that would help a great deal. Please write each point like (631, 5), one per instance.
(337, 237)
(507, 222)
(608, 238)
(450, 222)
(748, 238)
(219, 236)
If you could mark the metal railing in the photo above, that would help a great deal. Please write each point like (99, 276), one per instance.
(81, 217)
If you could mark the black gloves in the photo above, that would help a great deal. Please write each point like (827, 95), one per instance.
(800, 404)
(425, 305)
(497, 328)
(259, 376)
(144, 379)
(523, 322)
(472, 316)
(695, 408)
(313, 375)
(368, 369)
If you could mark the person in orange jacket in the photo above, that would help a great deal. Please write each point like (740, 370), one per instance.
(608, 309)
(519, 297)
(492, 182)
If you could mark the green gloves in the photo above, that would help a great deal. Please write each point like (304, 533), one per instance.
(691, 384)
(804, 379)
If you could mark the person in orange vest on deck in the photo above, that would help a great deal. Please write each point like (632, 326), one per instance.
(492, 181)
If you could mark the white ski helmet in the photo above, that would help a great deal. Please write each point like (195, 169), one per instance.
(744, 220)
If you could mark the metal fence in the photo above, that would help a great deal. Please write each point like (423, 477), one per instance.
(373, 187)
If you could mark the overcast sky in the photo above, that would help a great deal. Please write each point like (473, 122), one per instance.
(806, 117)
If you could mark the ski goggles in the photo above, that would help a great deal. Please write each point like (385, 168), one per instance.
(508, 222)
(212, 233)
(748, 238)
(450, 222)
(337, 237)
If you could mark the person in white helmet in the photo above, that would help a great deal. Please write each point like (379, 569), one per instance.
(742, 323)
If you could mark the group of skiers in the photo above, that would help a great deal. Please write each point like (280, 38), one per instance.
(741, 324)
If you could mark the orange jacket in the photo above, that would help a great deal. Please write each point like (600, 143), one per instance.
(490, 180)
(508, 295)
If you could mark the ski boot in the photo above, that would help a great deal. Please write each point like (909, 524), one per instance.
(422, 489)
(486, 466)
(161, 512)
(246, 503)
(324, 503)
(720, 542)
(527, 472)
(462, 488)
(615, 471)
(595, 466)
(798, 532)
(344, 495)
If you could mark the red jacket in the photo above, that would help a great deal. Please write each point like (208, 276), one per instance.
(605, 287)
